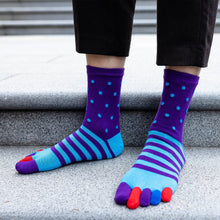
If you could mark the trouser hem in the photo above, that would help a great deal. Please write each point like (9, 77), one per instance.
(182, 56)
(101, 46)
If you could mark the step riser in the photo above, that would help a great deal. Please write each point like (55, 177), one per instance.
(45, 128)
(47, 15)
(59, 15)
(46, 30)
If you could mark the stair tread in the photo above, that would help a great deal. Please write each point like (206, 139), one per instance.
(46, 72)
(89, 191)
(150, 22)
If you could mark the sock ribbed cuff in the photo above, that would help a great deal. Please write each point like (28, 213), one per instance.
(176, 76)
(92, 70)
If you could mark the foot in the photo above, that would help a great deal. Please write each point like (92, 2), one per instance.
(154, 176)
(99, 136)
(82, 145)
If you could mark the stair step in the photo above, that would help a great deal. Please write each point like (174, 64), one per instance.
(60, 13)
(36, 13)
(34, 3)
(30, 17)
(43, 92)
(64, 13)
(36, 27)
(86, 190)
(141, 26)
(48, 3)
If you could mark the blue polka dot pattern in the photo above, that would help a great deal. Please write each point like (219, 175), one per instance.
(116, 126)
(162, 103)
(172, 95)
(106, 130)
(167, 115)
(174, 128)
(178, 108)
(181, 121)
(88, 119)
(118, 105)
(155, 121)
(167, 83)
(187, 99)
(102, 101)
(183, 88)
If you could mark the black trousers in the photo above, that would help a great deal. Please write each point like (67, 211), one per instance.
(184, 29)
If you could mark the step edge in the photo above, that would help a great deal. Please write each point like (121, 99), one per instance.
(129, 101)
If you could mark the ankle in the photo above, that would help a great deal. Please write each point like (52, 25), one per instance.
(193, 70)
(103, 102)
(103, 129)
(104, 61)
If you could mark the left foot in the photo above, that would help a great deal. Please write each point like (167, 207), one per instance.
(98, 137)
(154, 176)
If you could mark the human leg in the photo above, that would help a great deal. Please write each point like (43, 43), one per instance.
(105, 61)
(194, 70)
(99, 136)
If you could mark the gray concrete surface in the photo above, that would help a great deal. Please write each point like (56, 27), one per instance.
(45, 72)
(43, 82)
(33, 128)
(52, 12)
(48, 3)
(30, 19)
(86, 190)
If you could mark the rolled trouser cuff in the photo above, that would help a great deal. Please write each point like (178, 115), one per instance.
(102, 46)
(182, 56)
(185, 31)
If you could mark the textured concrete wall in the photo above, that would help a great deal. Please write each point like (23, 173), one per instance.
(48, 127)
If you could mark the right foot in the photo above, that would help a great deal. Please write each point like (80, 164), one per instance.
(99, 136)
(155, 174)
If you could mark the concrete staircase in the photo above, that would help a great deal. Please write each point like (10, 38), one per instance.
(43, 99)
(19, 17)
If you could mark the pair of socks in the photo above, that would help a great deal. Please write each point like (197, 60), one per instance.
(154, 175)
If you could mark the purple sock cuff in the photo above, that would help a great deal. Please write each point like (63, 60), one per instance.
(92, 70)
(176, 76)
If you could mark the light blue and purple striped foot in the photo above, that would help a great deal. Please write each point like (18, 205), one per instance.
(82, 145)
(154, 176)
